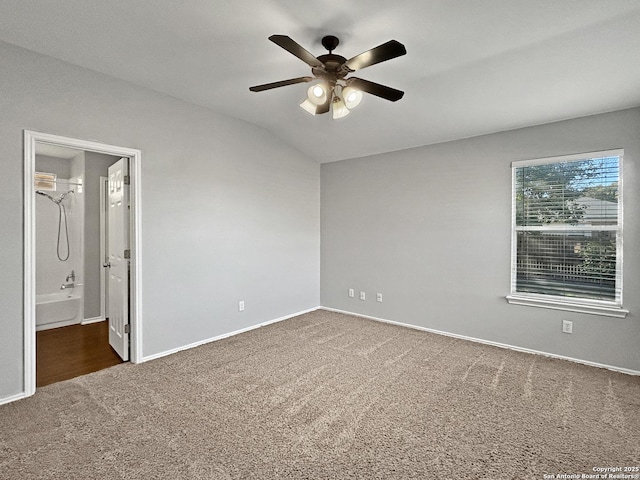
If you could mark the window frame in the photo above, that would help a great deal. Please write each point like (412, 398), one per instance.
(573, 304)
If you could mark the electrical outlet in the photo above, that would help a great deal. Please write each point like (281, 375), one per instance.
(379, 297)
(363, 296)
(567, 326)
(241, 306)
(352, 293)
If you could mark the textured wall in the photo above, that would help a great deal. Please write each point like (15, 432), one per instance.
(228, 212)
(430, 229)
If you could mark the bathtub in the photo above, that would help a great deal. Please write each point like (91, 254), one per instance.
(58, 309)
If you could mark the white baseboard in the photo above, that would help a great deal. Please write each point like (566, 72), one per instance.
(88, 321)
(22, 395)
(49, 326)
(224, 335)
(489, 342)
(627, 371)
(12, 398)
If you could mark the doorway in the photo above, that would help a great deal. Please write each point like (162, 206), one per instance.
(126, 178)
(63, 353)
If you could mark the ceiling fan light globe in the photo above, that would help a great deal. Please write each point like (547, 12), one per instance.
(317, 94)
(340, 110)
(352, 97)
(309, 107)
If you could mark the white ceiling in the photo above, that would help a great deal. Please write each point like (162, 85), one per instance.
(472, 67)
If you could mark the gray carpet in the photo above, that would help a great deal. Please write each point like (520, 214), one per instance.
(326, 395)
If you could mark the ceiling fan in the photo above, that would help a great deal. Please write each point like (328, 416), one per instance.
(332, 89)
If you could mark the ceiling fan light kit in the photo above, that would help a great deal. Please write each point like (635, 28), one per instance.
(309, 107)
(318, 94)
(335, 92)
(338, 107)
(352, 97)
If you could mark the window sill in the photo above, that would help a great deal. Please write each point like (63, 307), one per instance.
(559, 303)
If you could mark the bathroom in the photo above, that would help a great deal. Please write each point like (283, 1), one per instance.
(70, 208)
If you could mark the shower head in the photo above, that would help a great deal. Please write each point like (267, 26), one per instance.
(62, 196)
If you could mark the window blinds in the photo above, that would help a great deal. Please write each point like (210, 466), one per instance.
(568, 227)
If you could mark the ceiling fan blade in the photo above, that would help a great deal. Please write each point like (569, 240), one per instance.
(283, 83)
(376, 89)
(294, 48)
(381, 53)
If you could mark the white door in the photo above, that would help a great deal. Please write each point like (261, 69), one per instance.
(118, 263)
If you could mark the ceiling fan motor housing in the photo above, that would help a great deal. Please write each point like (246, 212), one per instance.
(330, 42)
(331, 70)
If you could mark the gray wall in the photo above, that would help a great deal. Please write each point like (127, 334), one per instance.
(430, 229)
(60, 166)
(228, 211)
(95, 166)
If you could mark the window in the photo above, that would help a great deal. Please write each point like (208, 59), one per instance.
(567, 233)
(45, 181)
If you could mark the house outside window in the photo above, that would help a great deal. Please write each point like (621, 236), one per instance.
(567, 233)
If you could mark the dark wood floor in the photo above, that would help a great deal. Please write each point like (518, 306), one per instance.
(68, 352)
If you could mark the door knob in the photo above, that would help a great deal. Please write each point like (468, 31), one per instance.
(107, 265)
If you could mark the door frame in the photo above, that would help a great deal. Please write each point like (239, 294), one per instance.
(31, 138)
(103, 247)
